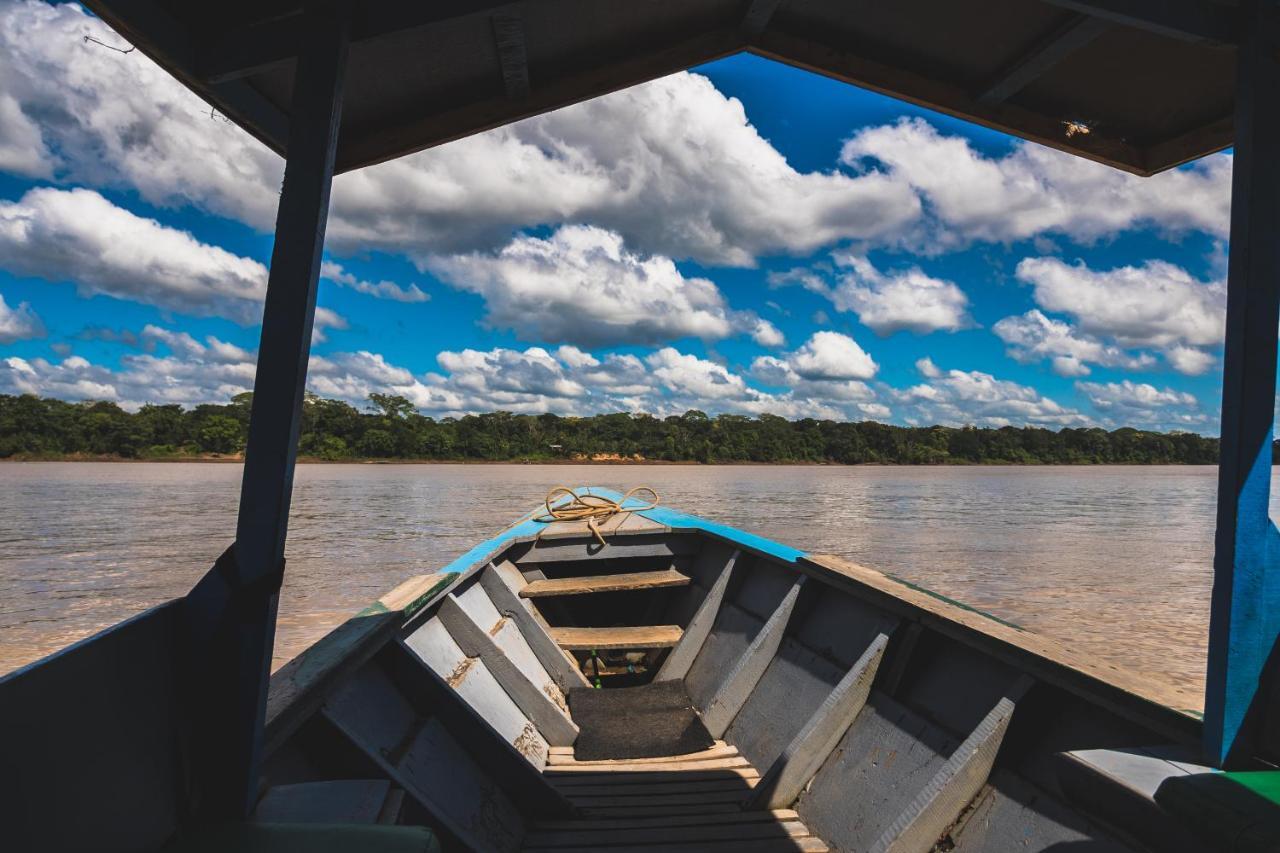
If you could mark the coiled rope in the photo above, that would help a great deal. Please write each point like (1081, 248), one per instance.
(591, 508)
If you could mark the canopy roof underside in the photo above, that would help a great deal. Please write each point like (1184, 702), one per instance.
(1151, 80)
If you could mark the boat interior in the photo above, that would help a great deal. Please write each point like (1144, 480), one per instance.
(674, 689)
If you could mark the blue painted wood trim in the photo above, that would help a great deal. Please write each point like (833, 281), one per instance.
(674, 518)
(1245, 613)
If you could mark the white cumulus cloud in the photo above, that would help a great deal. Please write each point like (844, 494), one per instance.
(1157, 305)
(972, 397)
(583, 286)
(1033, 336)
(20, 323)
(1035, 190)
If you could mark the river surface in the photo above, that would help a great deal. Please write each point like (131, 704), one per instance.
(1117, 561)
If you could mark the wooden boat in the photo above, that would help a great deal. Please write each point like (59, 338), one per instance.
(661, 682)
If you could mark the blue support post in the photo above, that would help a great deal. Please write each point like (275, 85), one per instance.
(1245, 616)
(232, 610)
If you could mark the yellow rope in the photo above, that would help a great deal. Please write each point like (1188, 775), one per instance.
(590, 508)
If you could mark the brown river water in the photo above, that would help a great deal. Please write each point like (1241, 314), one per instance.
(1114, 560)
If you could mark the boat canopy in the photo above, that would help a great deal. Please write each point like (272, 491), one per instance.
(334, 85)
(1142, 85)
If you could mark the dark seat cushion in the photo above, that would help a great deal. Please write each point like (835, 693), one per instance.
(306, 838)
(649, 721)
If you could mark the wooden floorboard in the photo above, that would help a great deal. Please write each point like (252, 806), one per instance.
(625, 637)
(719, 749)
(622, 582)
(671, 803)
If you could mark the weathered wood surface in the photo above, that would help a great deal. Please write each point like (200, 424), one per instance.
(650, 776)
(622, 582)
(297, 688)
(1164, 706)
(707, 764)
(734, 690)
(675, 802)
(623, 637)
(624, 524)
(681, 658)
(501, 581)
(563, 756)
(540, 703)
(809, 749)
(922, 823)
(616, 823)
(577, 550)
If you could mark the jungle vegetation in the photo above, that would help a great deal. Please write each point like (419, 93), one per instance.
(391, 429)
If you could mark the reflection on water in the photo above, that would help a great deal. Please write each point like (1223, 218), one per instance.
(1115, 560)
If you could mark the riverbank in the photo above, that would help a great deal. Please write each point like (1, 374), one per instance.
(238, 459)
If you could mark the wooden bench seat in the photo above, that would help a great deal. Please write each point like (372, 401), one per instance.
(624, 637)
(621, 582)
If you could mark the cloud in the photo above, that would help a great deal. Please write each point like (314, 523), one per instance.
(673, 166)
(191, 373)
(1033, 336)
(582, 286)
(831, 355)
(118, 120)
(971, 397)
(77, 235)
(1034, 190)
(1138, 403)
(378, 290)
(19, 324)
(885, 302)
(1156, 305)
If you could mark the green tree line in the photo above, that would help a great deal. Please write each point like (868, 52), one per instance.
(390, 428)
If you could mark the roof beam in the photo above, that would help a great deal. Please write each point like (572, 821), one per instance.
(1189, 20)
(849, 63)
(1073, 34)
(513, 58)
(240, 53)
(476, 114)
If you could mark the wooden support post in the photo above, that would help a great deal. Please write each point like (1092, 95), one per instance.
(732, 693)
(232, 610)
(557, 664)
(552, 721)
(677, 664)
(1245, 615)
(809, 749)
(936, 807)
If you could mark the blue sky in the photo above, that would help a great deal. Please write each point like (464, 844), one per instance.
(745, 238)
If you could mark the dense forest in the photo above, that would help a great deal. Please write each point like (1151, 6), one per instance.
(38, 428)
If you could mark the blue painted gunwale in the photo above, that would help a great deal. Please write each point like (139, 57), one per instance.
(526, 528)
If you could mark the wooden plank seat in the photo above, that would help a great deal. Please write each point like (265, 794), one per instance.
(670, 803)
(622, 637)
(621, 582)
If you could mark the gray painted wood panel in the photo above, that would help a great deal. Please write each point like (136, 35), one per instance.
(792, 770)
(919, 826)
(794, 686)
(677, 664)
(559, 551)
(473, 681)
(1013, 815)
(729, 638)
(506, 635)
(419, 755)
(885, 758)
(745, 675)
(536, 701)
(502, 581)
